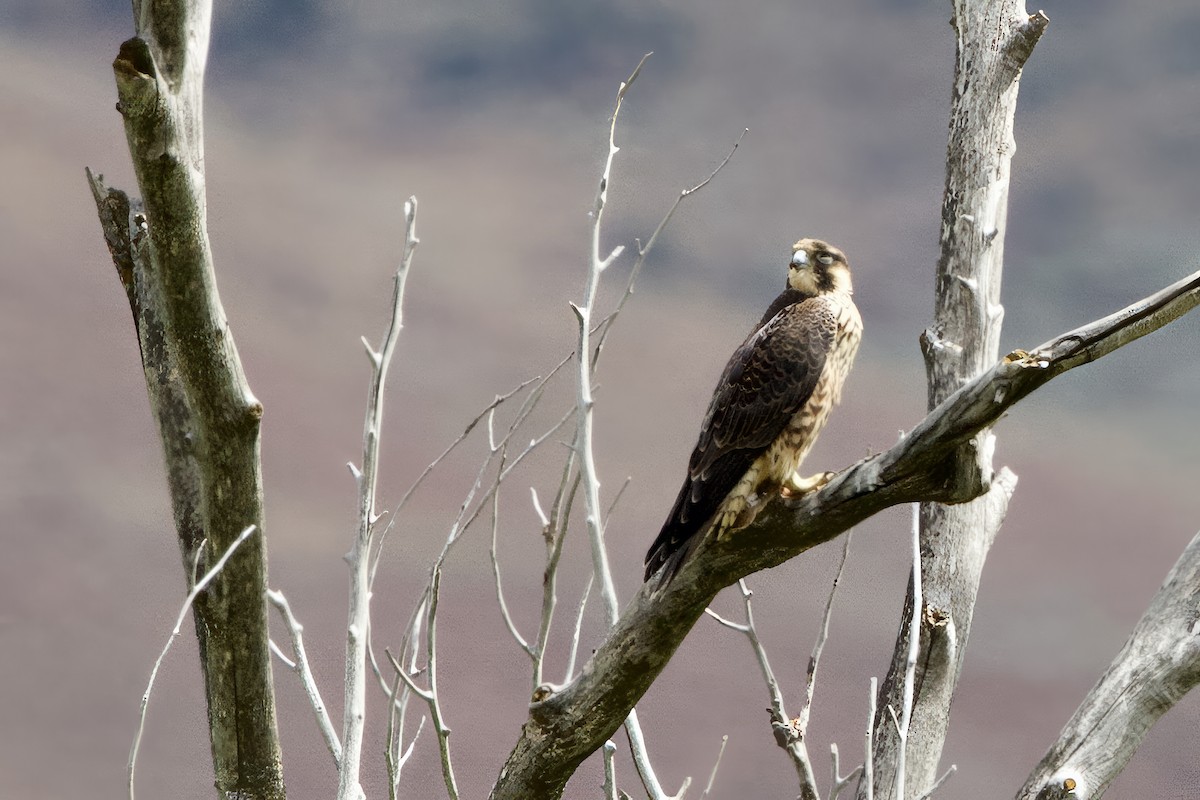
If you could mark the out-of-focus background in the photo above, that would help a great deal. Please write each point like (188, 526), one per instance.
(323, 116)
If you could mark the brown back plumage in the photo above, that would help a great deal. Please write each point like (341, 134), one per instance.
(767, 381)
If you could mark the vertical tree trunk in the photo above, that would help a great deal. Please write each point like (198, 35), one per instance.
(993, 41)
(209, 420)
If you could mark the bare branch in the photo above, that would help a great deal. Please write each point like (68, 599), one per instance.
(837, 781)
(914, 647)
(1159, 664)
(499, 399)
(814, 661)
(358, 625)
(209, 419)
(199, 587)
(712, 776)
(583, 435)
(435, 706)
(992, 40)
(938, 784)
(587, 589)
(430, 695)
(560, 733)
(643, 251)
(641, 760)
(301, 667)
(391, 742)
(504, 612)
(585, 403)
(424, 694)
(866, 788)
(610, 771)
(398, 707)
(788, 734)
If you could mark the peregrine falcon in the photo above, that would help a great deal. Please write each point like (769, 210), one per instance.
(770, 404)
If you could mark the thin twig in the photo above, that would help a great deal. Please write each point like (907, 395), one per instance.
(610, 771)
(583, 438)
(869, 761)
(282, 656)
(302, 669)
(499, 399)
(712, 776)
(430, 595)
(914, 646)
(555, 532)
(391, 745)
(537, 507)
(617, 499)
(435, 706)
(395, 759)
(197, 588)
(938, 783)
(838, 782)
(410, 643)
(787, 734)
(815, 660)
(430, 695)
(398, 707)
(578, 627)
(358, 625)
(643, 251)
(509, 622)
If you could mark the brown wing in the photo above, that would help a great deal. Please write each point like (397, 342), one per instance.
(768, 379)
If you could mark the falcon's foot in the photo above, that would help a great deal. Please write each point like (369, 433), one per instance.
(797, 486)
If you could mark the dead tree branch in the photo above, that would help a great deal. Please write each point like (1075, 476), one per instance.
(358, 625)
(993, 41)
(1154, 670)
(209, 420)
(568, 723)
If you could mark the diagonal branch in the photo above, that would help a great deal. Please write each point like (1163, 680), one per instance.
(198, 587)
(1154, 670)
(301, 667)
(787, 731)
(568, 723)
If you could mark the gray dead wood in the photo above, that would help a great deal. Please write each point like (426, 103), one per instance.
(1154, 670)
(567, 723)
(208, 418)
(993, 41)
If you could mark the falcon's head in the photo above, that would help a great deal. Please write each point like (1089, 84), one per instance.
(818, 267)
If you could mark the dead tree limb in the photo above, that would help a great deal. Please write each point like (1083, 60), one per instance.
(1154, 670)
(209, 420)
(567, 723)
(993, 41)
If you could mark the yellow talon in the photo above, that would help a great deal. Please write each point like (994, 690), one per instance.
(797, 486)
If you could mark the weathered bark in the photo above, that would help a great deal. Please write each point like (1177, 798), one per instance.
(993, 41)
(567, 723)
(1154, 670)
(208, 418)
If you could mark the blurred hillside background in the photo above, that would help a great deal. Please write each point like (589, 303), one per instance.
(323, 116)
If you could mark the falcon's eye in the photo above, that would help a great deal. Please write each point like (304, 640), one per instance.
(825, 258)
